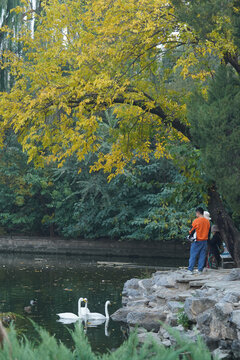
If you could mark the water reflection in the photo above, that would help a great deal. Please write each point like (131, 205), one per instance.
(56, 283)
(88, 323)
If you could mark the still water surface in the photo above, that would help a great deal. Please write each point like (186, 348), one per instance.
(56, 282)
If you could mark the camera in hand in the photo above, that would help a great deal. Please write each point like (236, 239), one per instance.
(191, 238)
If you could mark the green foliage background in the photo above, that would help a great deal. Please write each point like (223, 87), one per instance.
(150, 201)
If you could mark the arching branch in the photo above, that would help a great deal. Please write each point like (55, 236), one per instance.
(232, 60)
(156, 110)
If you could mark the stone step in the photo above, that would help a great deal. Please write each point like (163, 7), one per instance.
(184, 296)
(197, 283)
(191, 278)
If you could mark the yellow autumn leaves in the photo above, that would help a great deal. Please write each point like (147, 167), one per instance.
(86, 57)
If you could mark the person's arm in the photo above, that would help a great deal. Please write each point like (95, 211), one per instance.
(194, 228)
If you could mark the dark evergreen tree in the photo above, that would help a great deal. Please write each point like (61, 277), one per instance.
(216, 131)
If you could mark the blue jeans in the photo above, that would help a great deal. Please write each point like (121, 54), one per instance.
(198, 250)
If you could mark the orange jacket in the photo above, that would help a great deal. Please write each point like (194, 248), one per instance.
(202, 227)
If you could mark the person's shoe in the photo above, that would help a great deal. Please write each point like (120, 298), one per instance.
(190, 272)
(199, 272)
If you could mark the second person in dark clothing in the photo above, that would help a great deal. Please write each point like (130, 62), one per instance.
(215, 244)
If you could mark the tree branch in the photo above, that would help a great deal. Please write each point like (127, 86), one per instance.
(232, 60)
(156, 110)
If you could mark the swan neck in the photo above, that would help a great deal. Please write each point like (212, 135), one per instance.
(79, 307)
(106, 310)
(106, 327)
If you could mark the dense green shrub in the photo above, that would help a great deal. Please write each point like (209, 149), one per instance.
(48, 348)
(24, 192)
(150, 201)
(182, 319)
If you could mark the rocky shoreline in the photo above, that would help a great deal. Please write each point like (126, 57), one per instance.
(206, 305)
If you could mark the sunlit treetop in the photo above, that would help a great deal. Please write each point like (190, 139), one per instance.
(89, 56)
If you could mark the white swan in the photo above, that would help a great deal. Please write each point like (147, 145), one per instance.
(84, 310)
(98, 316)
(71, 316)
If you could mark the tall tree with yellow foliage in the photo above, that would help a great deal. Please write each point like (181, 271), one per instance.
(89, 56)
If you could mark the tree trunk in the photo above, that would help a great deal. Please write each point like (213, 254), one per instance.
(228, 230)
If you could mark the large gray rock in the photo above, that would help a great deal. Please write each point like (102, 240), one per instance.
(223, 310)
(211, 343)
(146, 284)
(195, 306)
(136, 288)
(149, 319)
(205, 292)
(121, 314)
(231, 298)
(236, 318)
(165, 279)
(167, 294)
(203, 321)
(143, 337)
(222, 354)
(131, 285)
(221, 330)
(234, 275)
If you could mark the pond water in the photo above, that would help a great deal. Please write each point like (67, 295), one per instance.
(56, 282)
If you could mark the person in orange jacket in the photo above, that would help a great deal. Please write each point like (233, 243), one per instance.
(200, 227)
